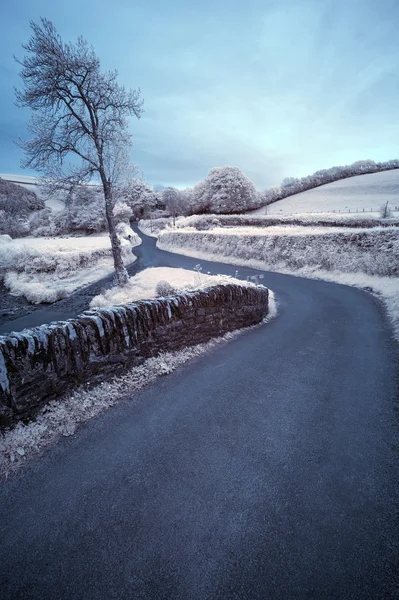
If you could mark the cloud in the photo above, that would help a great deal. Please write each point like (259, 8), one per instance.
(278, 89)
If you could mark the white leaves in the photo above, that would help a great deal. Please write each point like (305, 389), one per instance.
(225, 190)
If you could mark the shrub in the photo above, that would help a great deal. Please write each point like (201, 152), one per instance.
(225, 190)
(163, 288)
(40, 221)
(208, 222)
(13, 225)
(125, 231)
(122, 212)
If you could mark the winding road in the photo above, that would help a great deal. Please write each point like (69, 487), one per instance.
(265, 469)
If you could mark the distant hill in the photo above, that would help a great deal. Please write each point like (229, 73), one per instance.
(32, 183)
(24, 180)
(16, 199)
(362, 193)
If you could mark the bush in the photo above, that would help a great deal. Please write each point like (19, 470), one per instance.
(208, 222)
(225, 190)
(40, 222)
(163, 288)
(85, 213)
(13, 225)
(5, 238)
(125, 231)
(122, 212)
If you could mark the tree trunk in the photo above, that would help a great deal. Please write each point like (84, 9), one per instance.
(122, 276)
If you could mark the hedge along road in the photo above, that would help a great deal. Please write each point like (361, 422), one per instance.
(266, 468)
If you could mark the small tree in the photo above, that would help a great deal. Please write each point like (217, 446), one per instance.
(225, 190)
(172, 199)
(139, 196)
(80, 116)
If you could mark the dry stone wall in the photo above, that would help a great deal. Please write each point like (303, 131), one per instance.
(41, 363)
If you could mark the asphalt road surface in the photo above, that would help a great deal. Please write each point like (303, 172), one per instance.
(266, 469)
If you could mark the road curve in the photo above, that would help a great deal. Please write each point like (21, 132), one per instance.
(266, 469)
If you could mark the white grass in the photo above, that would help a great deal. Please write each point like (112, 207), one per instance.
(370, 251)
(296, 230)
(61, 417)
(47, 269)
(322, 222)
(142, 285)
(353, 194)
(315, 257)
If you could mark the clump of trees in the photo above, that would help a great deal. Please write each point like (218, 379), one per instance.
(224, 190)
(79, 124)
(139, 196)
(84, 212)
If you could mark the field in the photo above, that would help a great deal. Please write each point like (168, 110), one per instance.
(48, 269)
(363, 193)
(143, 285)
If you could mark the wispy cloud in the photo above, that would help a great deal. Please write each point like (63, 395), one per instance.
(277, 88)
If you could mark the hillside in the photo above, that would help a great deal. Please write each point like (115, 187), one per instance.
(32, 183)
(354, 194)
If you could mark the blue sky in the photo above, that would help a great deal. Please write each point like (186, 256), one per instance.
(278, 88)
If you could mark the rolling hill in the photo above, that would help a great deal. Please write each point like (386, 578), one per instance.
(362, 193)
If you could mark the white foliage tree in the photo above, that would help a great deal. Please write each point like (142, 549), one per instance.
(172, 199)
(139, 196)
(79, 125)
(225, 190)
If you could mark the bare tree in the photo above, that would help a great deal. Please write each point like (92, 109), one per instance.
(385, 211)
(80, 116)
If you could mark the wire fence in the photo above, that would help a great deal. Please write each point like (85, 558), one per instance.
(343, 211)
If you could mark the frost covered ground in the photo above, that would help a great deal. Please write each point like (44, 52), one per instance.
(142, 285)
(47, 269)
(353, 194)
(363, 258)
(207, 222)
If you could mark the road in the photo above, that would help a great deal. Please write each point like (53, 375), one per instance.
(265, 469)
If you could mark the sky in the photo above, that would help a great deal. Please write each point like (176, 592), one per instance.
(277, 88)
